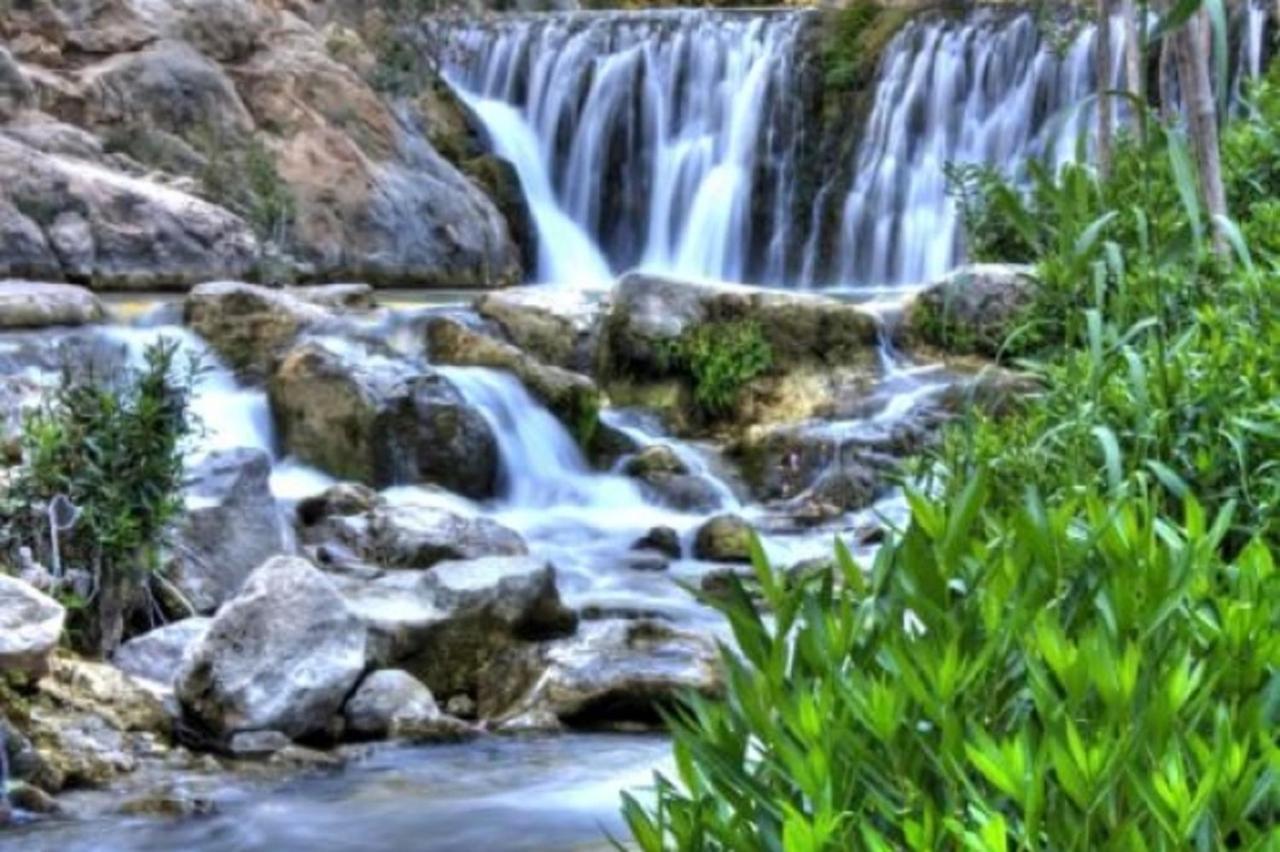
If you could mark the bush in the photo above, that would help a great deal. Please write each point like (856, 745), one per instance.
(113, 448)
(721, 358)
(855, 39)
(1090, 676)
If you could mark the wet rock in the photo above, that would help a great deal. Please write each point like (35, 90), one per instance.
(31, 624)
(556, 326)
(973, 310)
(363, 417)
(649, 312)
(996, 391)
(724, 538)
(69, 219)
(392, 703)
(444, 626)
(27, 304)
(226, 491)
(347, 520)
(611, 674)
(283, 655)
(645, 560)
(160, 654)
(666, 479)
(337, 297)
(662, 540)
(32, 799)
(571, 397)
(168, 806)
(247, 325)
(656, 459)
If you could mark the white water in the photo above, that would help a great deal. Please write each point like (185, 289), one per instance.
(656, 130)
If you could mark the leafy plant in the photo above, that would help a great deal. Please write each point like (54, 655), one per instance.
(1090, 676)
(112, 447)
(721, 357)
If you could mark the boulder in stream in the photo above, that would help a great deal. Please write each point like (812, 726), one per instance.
(361, 415)
(159, 655)
(247, 325)
(31, 625)
(30, 304)
(393, 703)
(282, 655)
(724, 538)
(973, 310)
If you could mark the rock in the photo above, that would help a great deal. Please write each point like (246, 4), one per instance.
(995, 391)
(666, 479)
(571, 397)
(393, 703)
(283, 655)
(611, 674)
(16, 91)
(558, 326)
(172, 805)
(123, 702)
(658, 458)
(247, 325)
(363, 417)
(337, 297)
(724, 538)
(31, 624)
(64, 218)
(257, 744)
(27, 304)
(974, 309)
(645, 560)
(648, 312)
(159, 654)
(444, 626)
(225, 30)
(662, 540)
(404, 535)
(225, 491)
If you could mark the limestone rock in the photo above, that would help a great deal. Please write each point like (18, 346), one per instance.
(159, 655)
(363, 417)
(230, 526)
(283, 655)
(28, 304)
(557, 326)
(973, 310)
(393, 703)
(724, 538)
(31, 624)
(247, 325)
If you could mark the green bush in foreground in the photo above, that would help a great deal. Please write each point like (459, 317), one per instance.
(113, 447)
(1090, 676)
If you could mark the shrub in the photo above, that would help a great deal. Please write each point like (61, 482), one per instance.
(1090, 676)
(855, 39)
(721, 357)
(113, 448)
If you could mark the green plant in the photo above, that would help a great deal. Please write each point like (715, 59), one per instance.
(721, 357)
(1090, 676)
(242, 176)
(114, 449)
(854, 40)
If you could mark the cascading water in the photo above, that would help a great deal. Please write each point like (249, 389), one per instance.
(668, 137)
(986, 89)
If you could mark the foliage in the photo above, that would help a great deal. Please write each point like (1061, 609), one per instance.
(1090, 676)
(244, 179)
(113, 448)
(855, 39)
(721, 357)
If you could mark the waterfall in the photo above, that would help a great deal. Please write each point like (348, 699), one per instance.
(669, 138)
(989, 88)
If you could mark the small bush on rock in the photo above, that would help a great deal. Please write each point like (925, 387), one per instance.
(720, 358)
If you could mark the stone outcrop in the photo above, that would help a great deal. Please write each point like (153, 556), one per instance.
(229, 527)
(28, 304)
(247, 325)
(31, 624)
(974, 310)
(283, 655)
(363, 417)
(555, 325)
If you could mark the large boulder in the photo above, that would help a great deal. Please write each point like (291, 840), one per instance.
(159, 655)
(446, 625)
(283, 655)
(974, 310)
(558, 326)
(364, 417)
(572, 397)
(247, 325)
(351, 522)
(229, 527)
(649, 312)
(31, 624)
(110, 230)
(394, 703)
(724, 538)
(27, 304)
(612, 673)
